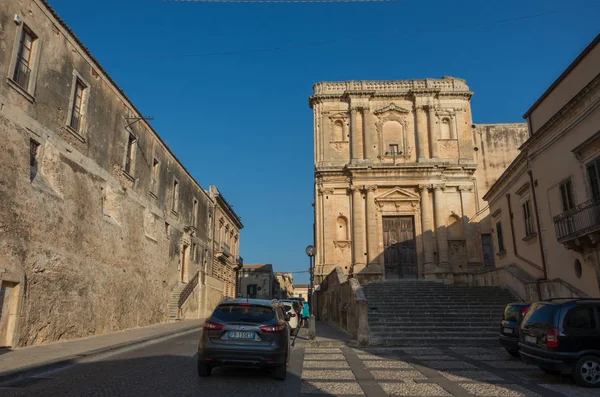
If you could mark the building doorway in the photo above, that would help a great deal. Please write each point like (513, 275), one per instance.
(488, 251)
(400, 249)
(8, 312)
(184, 263)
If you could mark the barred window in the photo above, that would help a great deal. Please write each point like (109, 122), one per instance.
(24, 64)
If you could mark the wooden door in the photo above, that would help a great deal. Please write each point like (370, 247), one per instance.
(400, 254)
(7, 290)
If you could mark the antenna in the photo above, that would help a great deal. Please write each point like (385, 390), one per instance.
(136, 119)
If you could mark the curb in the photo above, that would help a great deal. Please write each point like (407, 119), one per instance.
(8, 377)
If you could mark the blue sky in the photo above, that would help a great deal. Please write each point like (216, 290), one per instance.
(228, 84)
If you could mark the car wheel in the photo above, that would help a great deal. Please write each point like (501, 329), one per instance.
(513, 352)
(551, 371)
(587, 371)
(281, 371)
(204, 369)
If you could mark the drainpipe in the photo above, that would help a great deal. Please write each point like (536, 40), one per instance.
(537, 222)
(514, 243)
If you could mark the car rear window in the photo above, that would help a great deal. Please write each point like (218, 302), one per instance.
(541, 313)
(287, 308)
(246, 314)
(512, 313)
(581, 317)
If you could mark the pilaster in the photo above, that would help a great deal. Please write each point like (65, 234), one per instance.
(355, 137)
(433, 133)
(439, 202)
(421, 133)
(372, 238)
(427, 229)
(358, 227)
(368, 134)
(467, 197)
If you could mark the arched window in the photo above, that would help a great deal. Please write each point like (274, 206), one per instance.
(445, 129)
(393, 138)
(338, 131)
(455, 228)
(341, 229)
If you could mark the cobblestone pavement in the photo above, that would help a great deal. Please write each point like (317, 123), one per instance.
(168, 368)
(428, 371)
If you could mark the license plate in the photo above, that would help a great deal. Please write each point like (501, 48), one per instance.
(507, 330)
(240, 335)
(531, 339)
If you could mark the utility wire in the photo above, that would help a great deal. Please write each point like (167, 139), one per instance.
(357, 38)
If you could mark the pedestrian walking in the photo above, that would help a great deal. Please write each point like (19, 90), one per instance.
(305, 314)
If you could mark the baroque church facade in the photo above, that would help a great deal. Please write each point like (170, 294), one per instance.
(400, 171)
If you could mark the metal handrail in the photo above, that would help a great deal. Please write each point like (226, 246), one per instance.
(189, 288)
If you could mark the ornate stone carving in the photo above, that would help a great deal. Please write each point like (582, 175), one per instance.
(327, 190)
(338, 146)
(439, 187)
(342, 244)
(468, 188)
(392, 107)
(424, 187)
(371, 188)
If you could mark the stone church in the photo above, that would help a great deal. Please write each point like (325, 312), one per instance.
(400, 171)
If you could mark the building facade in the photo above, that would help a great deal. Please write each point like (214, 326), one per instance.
(301, 291)
(225, 239)
(101, 226)
(545, 207)
(397, 193)
(257, 281)
(285, 283)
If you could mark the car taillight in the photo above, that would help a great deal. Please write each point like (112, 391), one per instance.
(273, 329)
(212, 326)
(552, 338)
(524, 311)
(293, 314)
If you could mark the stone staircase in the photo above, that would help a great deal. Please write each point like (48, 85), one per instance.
(429, 313)
(174, 302)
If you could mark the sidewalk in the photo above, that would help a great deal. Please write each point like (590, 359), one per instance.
(27, 361)
(327, 335)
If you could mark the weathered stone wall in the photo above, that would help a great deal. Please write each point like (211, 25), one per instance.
(341, 301)
(214, 294)
(497, 146)
(90, 242)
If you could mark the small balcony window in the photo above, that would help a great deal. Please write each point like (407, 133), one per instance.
(24, 64)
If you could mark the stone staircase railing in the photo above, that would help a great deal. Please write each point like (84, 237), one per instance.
(187, 291)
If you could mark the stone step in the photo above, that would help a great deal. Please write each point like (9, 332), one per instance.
(442, 334)
(435, 341)
(436, 328)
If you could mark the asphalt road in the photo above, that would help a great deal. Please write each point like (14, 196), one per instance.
(167, 368)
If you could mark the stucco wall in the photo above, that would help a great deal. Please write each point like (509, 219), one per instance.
(90, 242)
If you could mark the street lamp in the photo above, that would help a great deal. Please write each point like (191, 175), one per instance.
(311, 252)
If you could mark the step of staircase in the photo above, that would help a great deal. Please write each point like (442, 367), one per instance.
(430, 313)
(174, 302)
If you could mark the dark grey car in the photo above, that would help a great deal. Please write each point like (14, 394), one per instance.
(245, 332)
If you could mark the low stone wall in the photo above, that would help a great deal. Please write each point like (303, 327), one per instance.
(341, 302)
(213, 294)
(522, 285)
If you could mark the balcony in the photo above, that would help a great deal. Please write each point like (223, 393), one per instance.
(579, 226)
(223, 252)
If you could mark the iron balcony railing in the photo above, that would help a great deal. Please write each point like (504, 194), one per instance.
(578, 221)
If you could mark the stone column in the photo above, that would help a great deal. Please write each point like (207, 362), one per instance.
(472, 239)
(318, 225)
(354, 138)
(433, 133)
(358, 226)
(427, 228)
(439, 202)
(453, 131)
(421, 133)
(372, 238)
(368, 134)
